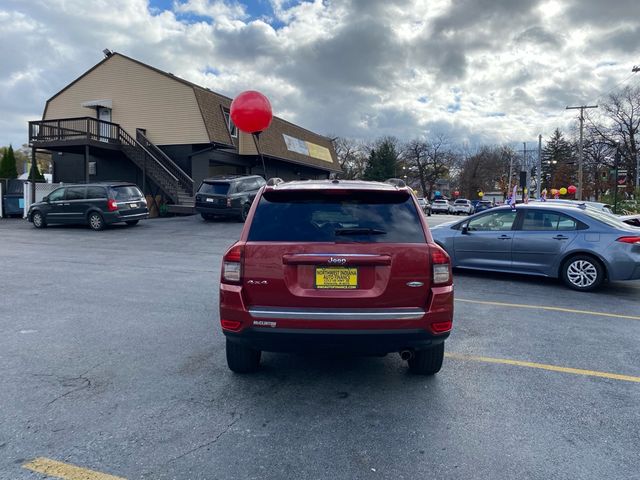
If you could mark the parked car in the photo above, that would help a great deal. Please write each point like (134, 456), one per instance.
(462, 206)
(441, 206)
(336, 265)
(580, 245)
(424, 205)
(603, 207)
(227, 196)
(483, 205)
(633, 220)
(94, 204)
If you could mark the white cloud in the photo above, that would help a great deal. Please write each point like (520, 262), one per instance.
(359, 68)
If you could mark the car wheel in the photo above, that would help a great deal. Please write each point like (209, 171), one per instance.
(241, 359)
(427, 362)
(96, 222)
(206, 216)
(38, 220)
(131, 223)
(583, 273)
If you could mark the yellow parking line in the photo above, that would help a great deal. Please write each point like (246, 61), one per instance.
(544, 366)
(53, 468)
(553, 309)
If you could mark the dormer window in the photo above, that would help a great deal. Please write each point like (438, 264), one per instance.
(233, 130)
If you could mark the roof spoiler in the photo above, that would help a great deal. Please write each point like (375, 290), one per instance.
(272, 182)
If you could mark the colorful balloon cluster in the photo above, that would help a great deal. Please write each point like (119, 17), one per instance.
(571, 190)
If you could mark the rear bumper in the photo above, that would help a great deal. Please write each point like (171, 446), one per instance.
(365, 342)
(118, 216)
(222, 211)
(366, 331)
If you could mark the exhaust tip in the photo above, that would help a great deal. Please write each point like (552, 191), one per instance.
(406, 354)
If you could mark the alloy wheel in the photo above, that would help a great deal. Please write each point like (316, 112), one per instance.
(582, 273)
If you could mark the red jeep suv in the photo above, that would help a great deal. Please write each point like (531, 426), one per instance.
(340, 266)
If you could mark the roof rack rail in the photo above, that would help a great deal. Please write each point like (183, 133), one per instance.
(398, 182)
(272, 182)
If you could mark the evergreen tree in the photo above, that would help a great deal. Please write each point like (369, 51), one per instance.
(37, 176)
(8, 164)
(382, 161)
(557, 156)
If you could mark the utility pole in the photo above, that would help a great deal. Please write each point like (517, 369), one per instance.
(539, 168)
(580, 158)
(525, 168)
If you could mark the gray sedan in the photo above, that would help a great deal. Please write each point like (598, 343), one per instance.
(581, 246)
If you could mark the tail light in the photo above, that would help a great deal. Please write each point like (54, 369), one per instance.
(631, 240)
(441, 265)
(232, 265)
(112, 206)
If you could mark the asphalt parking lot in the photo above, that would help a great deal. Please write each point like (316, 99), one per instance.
(113, 360)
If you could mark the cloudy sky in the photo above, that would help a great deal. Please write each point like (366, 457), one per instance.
(479, 71)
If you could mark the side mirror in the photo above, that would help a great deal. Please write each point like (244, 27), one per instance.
(465, 229)
(45, 198)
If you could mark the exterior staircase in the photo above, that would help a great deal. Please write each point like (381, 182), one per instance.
(154, 163)
(164, 172)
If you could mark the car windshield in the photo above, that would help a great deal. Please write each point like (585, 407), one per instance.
(348, 216)
(214, 188)
(461, 202)
(127, 192)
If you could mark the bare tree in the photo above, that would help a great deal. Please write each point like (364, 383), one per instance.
(352, 157)
(429, 160)
(621, 127)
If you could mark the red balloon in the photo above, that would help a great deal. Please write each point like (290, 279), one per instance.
(572, 189)
(251, 112)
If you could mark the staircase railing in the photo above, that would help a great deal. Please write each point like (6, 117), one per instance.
(150, 165)
(186, 182)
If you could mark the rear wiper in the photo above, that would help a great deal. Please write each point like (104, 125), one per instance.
(359, 231)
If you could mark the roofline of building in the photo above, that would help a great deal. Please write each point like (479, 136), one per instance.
(168, 75)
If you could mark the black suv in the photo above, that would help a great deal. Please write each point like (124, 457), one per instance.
(229, 196)
(95, 204)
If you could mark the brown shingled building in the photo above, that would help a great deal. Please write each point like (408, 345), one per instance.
(125, 120)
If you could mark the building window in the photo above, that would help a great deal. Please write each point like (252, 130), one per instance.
(232, 128)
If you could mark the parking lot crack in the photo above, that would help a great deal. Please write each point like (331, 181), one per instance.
(85, 383)
(209, 443)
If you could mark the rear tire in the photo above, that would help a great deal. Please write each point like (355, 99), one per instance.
(96, 222)
(38, 220)
(131, 223)
(427, 362)
(241, 359)
(244, 213)
(582, 273)
(206, 216)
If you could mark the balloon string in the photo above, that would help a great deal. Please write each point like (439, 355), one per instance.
(256, 135)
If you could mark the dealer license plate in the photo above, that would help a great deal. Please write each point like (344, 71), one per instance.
(133, 205)
(211, 200)
(341, 278)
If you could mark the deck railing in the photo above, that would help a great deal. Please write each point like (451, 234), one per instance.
(66, 129)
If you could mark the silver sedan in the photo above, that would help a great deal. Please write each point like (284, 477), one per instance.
(580, 245)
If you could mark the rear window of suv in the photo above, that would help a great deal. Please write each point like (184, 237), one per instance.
(217, 188)
(126, 192)
(349, 216)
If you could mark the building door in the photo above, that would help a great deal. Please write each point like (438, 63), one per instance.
(104, 114)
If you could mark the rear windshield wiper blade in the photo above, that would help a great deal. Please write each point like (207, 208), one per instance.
(359, 231)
